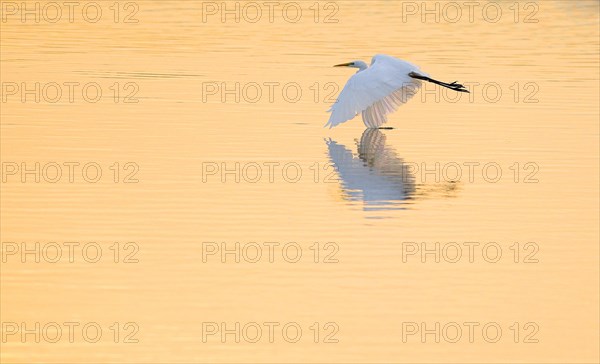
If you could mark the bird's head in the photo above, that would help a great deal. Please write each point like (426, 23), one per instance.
(354, 64)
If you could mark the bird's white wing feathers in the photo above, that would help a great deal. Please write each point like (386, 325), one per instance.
(375, 92)
(376, 114)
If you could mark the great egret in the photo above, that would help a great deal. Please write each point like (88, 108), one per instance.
(378, 90)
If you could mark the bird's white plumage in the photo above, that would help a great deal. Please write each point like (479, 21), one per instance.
(375, 92)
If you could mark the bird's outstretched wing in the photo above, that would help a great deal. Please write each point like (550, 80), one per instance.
(375, 92)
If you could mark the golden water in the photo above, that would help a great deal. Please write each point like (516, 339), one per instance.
(363, 201)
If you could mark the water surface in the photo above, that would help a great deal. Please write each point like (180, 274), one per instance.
(253, 164)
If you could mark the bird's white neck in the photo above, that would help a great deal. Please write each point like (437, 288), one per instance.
(360, 65)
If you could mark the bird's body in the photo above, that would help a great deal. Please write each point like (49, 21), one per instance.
(379, 89)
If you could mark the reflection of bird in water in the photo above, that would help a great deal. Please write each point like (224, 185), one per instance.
(378, 177)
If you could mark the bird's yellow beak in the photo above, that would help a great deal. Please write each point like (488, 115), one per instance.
(343, 64)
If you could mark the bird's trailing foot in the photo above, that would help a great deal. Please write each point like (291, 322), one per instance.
(456, 87)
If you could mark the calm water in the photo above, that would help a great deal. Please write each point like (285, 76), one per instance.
(170, 135)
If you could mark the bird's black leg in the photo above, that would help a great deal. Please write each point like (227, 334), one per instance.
(453, 86)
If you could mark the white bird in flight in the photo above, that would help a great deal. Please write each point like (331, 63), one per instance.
(379, 89)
